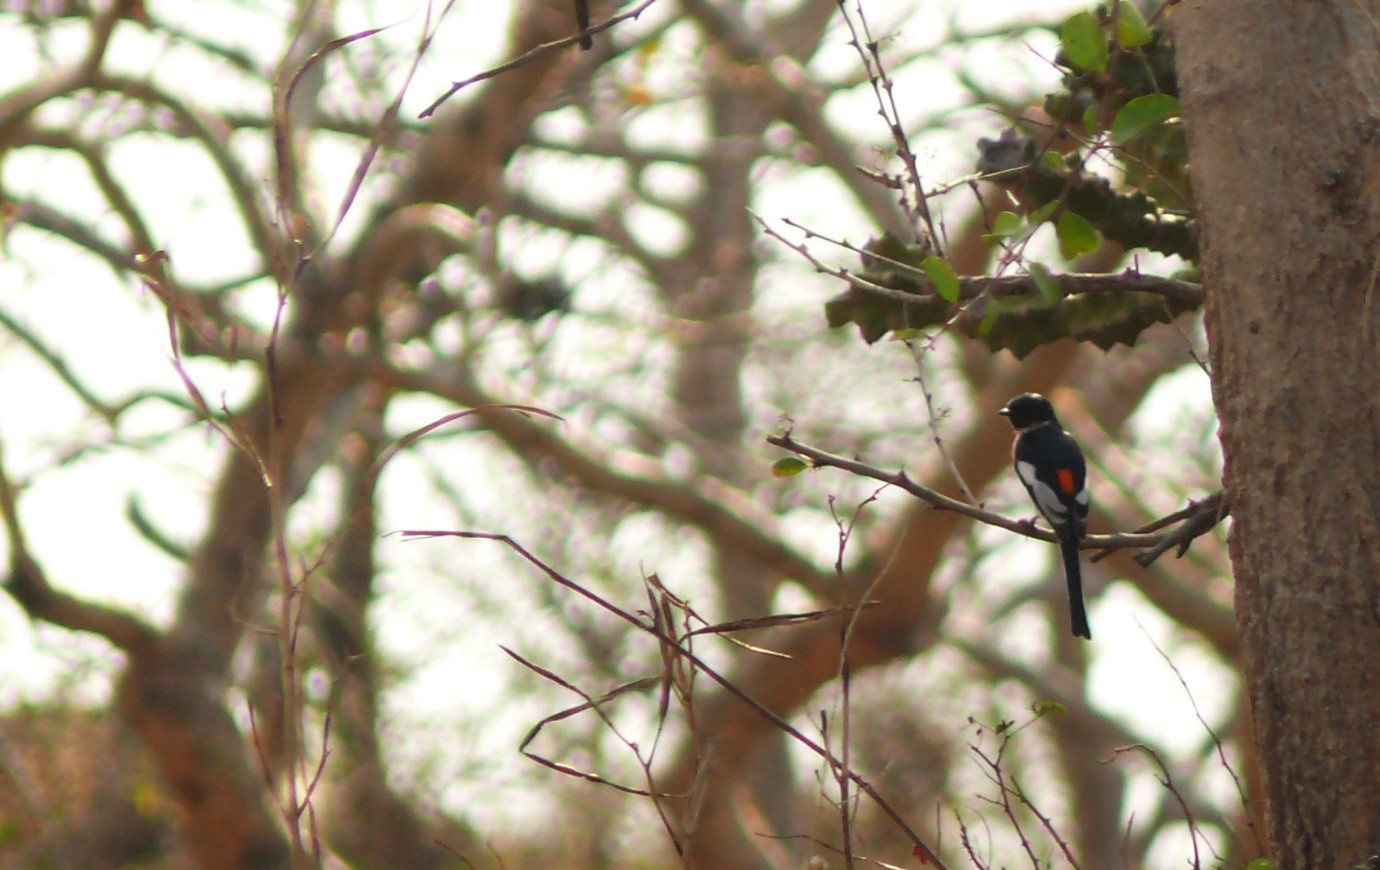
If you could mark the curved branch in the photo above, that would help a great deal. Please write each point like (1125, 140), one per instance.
(214, 136)
(28, 585)
(17, 106)
(723, 512)
(115, 195)
(208, 320)
(40, 215)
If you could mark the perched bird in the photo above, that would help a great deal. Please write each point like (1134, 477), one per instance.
(1051, 466)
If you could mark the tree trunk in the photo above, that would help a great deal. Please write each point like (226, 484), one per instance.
(1281, 102)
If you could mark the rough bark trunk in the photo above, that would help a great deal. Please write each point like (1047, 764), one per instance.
(1283, 109)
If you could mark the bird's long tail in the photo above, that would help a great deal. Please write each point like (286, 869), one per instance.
(1078, 616)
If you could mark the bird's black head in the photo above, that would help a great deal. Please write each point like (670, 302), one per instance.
(1028, 409)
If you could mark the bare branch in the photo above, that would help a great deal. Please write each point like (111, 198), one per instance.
(521, 59)
(214, 135)
(17, 105)
(991, 286)
(723, 682)
(28, 585)
(901, 480)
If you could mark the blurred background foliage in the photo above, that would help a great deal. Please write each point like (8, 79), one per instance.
(234, 253)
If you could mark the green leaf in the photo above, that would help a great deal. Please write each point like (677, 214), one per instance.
(1043, 213)
(1048, 284)
(905, 334)
(942, 276)
(1076, 235)
(788, 466)
(1141, 114)
(1092, 118)
(1083, 43)
(1261, 864)
(1008, 223)
(1004, 226)
(1044, 708)
(1054, 160)
(1131, 29)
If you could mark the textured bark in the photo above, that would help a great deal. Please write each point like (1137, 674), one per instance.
(1281, 101)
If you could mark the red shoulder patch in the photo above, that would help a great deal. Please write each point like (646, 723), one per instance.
(1066, 482)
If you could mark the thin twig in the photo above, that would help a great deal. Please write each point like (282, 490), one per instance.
(914, 202)
(700, 665)
(1168, 782)
(1216, 742)
(972, 287)
(932, 421)
(526, 57)
(845, 534)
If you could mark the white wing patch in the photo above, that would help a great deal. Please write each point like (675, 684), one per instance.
(1046, 499)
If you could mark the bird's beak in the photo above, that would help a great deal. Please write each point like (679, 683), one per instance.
(1005, 412)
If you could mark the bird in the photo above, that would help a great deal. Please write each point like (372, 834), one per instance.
(1051, 467)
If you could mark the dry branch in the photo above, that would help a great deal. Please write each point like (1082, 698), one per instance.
(900, 480)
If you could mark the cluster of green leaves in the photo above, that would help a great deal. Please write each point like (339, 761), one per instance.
(1120, 79)
(1119, 98)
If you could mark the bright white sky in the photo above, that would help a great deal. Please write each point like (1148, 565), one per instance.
(118, 337)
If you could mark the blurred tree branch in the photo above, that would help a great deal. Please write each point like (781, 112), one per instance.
(359, 289)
